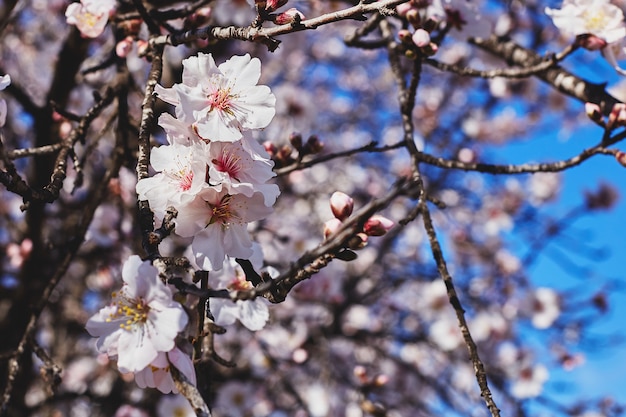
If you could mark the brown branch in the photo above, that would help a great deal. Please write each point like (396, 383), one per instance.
(515, 169)
(546, 63)
(556, 76)
(266, 35)
(479, 369)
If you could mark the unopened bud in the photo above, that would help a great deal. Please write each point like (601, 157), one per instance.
(142, 47)
(296, 140)
(331, 226)
(313, 145)
(591, 42)
(621, 157)
(381, 380)
(292, 15)
(377, 225)
(360, 372)
(341, 205)
(594, 112)
(413, 16)
(271, 5)
(405, 36)
(123, 47)
(270, 148)
(403, 8)
(421, 38)
(617, 116)
(198, 18)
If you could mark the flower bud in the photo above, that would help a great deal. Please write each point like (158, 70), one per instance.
(341, 205)
(403, 8)
(358, 241)
(621, 157)
(270, 148)
(591, 42)
(594, 112)
(124, 46)
(617, 117)
(405, 36)
(331, 226)
(413, 16)
(271, 5)
(292, 15)
(377, 225)
(421, 38)
(296, 140)
(313, 145)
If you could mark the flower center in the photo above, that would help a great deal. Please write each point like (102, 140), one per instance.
(595, 20)
(239, 283)
(229, 163)
(135, 311)
(89, 19)
(222, 212)
(220, 99)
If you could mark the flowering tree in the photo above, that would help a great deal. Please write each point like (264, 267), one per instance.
(306, 208)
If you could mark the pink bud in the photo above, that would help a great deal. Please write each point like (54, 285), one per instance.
(403, 8)
(421, 38)
(377, 225)
(591, 42)
(271, 5)
(341, 204)
(270, 148)
(124, 46)
(621, 157)
(142, 47)
(593, 111)
(617, 115)
(331, 226)
(404, 36)
(290, 16)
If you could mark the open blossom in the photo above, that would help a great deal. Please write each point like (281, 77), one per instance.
(5, 80)
(218, 223)
(600, 18)
(158, 374)
(181, 176)
(221, 101)
(142, 321)
(89, 16)
(251, 313)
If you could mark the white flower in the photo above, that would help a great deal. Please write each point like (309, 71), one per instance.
(158, 374)
(241, 170)
(218, 222)
(529, 382)
(221, 101)
(251, 313)
(5, 80)
(142, 321)
(174, 406)
(545, 308)
(89, 16)
(182, 172)
(595, 17)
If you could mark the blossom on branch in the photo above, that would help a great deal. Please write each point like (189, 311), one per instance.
(5, 80)
(221, 101)
(158, 374)
(600, 18)
(142, 321)
(89, 16)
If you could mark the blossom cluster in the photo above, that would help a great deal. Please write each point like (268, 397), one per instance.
(140, 326)
(212, 171)
(215, 175)
(90, 16)
(597, 24)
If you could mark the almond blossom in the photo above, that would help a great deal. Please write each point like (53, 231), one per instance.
(251, 313)
(142, 321)
(221, 101)
(600, 18)
(218, 223)
(181, 176)
(158, 374)
(89, 16)
(5, 80)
